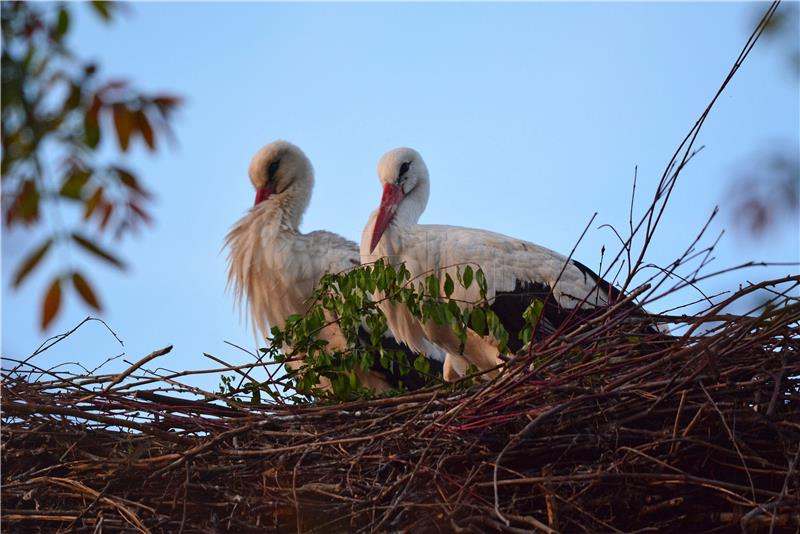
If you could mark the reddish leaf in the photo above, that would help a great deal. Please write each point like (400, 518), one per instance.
(108, 208)
(123, 122)
(28, 202)
(31, 262)
(146, 130)
(167, 101)
(93, 113)
(143, 215)
(114, 85)
(166, 104)
(51, 304)
(92, 203)
(121, 228)
(85, 291)
(98, 251)
(73, 99)
(129, 180)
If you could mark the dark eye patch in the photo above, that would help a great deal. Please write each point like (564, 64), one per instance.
(404, 168)
(272, 169)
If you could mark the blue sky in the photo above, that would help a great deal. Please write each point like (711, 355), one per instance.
(531, 117)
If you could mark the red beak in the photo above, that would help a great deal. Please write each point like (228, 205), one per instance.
(262, 194)
(392, 195)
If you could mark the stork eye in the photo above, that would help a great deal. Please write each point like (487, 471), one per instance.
(272, 169)
(404, 169)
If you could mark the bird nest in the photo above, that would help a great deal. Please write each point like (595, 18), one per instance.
(592, 431)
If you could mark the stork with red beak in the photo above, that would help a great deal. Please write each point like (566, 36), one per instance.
(516, 271)
(275, 268)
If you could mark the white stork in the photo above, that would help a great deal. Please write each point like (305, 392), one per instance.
(516, 271)
(275, 267)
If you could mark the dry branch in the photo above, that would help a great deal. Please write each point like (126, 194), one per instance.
(612, 433)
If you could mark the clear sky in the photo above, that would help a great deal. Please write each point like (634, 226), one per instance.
(530, 117)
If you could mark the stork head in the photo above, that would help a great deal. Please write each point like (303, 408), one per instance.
(403, 174)
(281, 167)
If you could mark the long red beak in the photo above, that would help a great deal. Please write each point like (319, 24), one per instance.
(262, 194)
(392, 195)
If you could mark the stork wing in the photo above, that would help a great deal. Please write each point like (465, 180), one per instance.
(509, 265)
(516, 271)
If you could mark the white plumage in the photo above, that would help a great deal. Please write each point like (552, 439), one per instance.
(511, 266)
(271, 264)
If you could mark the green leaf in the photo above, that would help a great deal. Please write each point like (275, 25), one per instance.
(492, 322)
(51, 303)
(63, 21)
(497, 330)
(92, 132)
(534, 312)
(31, 262)
(256, 399)
(480, 279)
(448, 285)
(102, 8)
(91, 122)
(525, 334)
(478, 321)
(433, 286)
(74, 183)
(467, 276)
(454, 310)
(377, 274)
(403, 273)
(95, 249)
(438, 312)
(502, 338)
(390, 275)
(402, 362)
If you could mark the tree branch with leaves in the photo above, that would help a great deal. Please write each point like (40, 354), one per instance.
(56, 111)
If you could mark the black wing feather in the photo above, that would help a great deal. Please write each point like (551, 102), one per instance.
(510, 305)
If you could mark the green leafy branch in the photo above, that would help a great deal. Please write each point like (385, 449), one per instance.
(348, 300)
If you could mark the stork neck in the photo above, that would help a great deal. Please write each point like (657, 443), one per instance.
(290, 205)
(412, 206)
